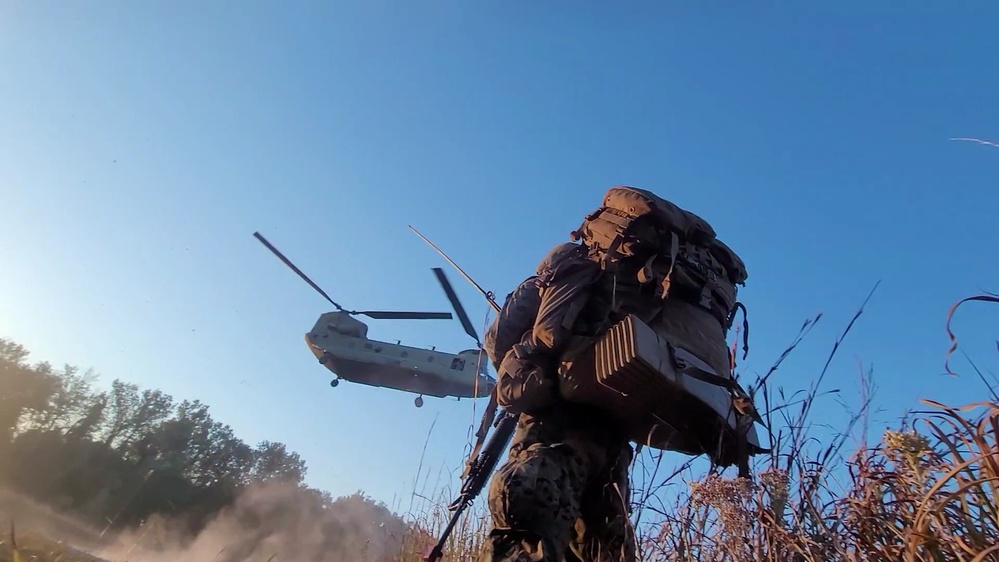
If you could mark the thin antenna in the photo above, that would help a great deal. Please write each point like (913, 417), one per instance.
(488, 294)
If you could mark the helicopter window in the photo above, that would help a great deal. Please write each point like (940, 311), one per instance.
(430, 359)
(405, 354)
(378, 350)
(457, 363)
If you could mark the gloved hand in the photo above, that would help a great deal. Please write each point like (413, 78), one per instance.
(524, 386)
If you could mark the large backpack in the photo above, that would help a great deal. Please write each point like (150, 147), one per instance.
(636, 231)
(659, 358)
(646, 302)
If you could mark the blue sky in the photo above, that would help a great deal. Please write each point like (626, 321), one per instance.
(141, 146)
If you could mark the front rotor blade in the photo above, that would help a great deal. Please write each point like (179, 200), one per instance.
(465, 322)
(295, 269)
(389, 315)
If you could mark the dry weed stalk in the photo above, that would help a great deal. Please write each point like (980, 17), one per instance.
(925, 492)
(916, 496)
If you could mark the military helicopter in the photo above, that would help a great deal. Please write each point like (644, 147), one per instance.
(340, 342)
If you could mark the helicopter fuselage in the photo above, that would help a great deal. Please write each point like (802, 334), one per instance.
(339, 341)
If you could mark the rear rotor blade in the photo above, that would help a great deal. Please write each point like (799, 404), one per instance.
(389, 315)
(295, 269)
(465, 322)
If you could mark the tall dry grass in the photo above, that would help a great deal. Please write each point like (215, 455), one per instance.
(925, 491)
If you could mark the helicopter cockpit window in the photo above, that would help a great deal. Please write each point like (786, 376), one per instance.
(457, 363)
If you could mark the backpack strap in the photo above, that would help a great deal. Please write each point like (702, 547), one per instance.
(745, 327)
(575, 308)
(647, 273)
(742, 407)
(690, 366)
(609, 243)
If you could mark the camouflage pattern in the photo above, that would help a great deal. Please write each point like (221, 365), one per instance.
(515, 318)
(525, 385)
(563, 494)
(519, 342)
(521, 307)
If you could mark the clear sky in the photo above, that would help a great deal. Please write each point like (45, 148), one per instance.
(141, 145)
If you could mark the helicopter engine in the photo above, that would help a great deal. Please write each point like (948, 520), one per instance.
(340, 323)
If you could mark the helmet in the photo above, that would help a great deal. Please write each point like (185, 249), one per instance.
(554, 255)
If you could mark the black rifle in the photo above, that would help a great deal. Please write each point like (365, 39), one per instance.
(478, 474)
(479, 469)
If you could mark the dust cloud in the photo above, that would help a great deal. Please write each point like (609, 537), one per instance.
(34, 518)
(274, 522)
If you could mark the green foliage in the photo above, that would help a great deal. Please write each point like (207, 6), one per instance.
(925, 491)
(161, 479)
(124, 454)
(23, 388)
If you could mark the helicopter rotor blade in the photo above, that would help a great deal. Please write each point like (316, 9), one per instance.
(295, 269)
(389, 315)
(453, 297)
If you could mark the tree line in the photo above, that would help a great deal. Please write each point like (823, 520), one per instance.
(116, 457)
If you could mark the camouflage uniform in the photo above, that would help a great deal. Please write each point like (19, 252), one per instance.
(563, 493)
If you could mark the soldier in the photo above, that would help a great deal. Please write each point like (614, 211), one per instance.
(563, 492)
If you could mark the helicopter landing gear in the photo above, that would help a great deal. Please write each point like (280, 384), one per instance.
(418, 401)
(334, 382)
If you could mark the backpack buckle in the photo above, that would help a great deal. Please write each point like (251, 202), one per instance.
(646, 274)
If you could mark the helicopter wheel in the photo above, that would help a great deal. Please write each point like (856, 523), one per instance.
(418, 401)
(334, 382)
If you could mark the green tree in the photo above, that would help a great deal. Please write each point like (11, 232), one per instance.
(23, 389)
(72, 400)
(272, 461)
(126, 453)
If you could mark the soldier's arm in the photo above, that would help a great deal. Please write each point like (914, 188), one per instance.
(515, 318)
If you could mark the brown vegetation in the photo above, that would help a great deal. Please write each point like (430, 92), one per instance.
(925, 491)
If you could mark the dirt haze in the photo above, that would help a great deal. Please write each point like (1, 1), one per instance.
(275, 521)
(41, 528)
(271, 520)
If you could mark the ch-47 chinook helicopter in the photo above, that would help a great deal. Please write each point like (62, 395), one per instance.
(340, 342)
